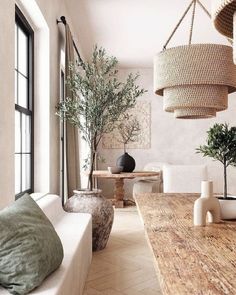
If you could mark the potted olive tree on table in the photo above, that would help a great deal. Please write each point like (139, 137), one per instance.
(129, 130)
(99, 99)
(221, 146)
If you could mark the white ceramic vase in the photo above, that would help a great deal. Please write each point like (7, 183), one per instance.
(228, 208)
(207, 206)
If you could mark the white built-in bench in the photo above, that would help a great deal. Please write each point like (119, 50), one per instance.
(75, 232)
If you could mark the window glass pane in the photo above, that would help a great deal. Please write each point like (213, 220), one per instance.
(23, 97)
(15, 46)
(25, 171)
(26, 133)
(16, 87)
(22, 52)
(17, 174)
(22, 91)
(17, 132)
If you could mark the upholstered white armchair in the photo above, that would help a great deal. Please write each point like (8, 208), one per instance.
(183, 178)
(150, 184)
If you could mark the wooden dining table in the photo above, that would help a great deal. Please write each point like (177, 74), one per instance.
(189, 260)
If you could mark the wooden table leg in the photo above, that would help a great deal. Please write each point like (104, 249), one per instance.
(119, 193)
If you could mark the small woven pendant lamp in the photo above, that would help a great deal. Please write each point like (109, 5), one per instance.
(224, 18)
(194, 79)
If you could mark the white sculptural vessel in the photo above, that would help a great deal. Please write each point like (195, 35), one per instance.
(207, 206)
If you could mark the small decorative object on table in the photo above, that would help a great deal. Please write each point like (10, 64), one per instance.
(221, 146)
(206, 205)
(129, 129)
(115, 169)
(127, 162)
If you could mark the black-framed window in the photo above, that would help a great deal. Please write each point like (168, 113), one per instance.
(24, 156)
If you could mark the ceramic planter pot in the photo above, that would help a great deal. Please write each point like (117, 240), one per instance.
(127, 162)
(102, 212)
(228, 207)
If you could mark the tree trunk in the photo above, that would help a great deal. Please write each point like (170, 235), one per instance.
(90, 178)
(225, 181)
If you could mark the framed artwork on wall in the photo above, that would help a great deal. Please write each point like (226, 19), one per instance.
(142, 112)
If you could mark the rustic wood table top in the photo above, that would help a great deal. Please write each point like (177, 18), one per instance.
(189, 260)
(130, 175)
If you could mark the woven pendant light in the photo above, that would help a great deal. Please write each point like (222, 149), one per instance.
(224, 18)
(194, 79)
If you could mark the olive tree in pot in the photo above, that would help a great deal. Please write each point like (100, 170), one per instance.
(221, 146)
(129, 130)
(99, 99)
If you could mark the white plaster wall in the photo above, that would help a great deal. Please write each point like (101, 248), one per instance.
(7, 102)
(172, 140)
(51, 10)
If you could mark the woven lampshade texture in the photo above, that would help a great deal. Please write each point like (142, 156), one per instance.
(195, 79)
(182, 100)
(224, 18)
(222, 15)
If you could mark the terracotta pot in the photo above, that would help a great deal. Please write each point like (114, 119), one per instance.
(102, 212)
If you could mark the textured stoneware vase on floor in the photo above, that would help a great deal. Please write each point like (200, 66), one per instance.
(101, 210)
(206, 206)
(224, 18)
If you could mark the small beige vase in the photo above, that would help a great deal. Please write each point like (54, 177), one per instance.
(207, 206)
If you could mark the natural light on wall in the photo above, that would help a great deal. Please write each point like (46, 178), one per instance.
(41, 94)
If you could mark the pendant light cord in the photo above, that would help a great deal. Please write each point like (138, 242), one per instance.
(192, 3)
(204, 8)
(192, 22)
(178, 24)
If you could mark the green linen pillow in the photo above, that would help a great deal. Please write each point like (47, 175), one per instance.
(30, 248)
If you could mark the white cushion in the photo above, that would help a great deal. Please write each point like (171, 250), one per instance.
(183, 178)
(75, 232)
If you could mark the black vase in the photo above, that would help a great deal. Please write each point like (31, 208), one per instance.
(127, 162)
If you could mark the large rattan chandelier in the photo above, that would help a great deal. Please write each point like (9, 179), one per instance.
(224, 18)
(194, 79)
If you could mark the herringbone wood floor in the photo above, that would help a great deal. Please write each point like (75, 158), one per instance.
(125, 267)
